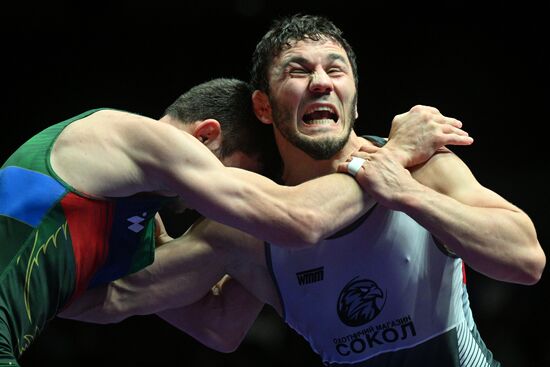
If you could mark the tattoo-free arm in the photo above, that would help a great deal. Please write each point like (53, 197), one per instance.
(178, 287)
(184, 271)
(292, 216)
(221, 319)
(490, 234)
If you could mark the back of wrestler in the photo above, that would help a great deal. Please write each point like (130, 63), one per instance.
(56, 241)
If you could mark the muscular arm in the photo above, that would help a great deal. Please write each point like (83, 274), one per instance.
(221, 319)
(493, 236)
(178, 287)
(113, 153)
(315, 209)
(293, 216)
(183, 272)
(181, 277)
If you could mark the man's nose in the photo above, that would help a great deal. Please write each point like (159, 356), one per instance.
(320, 81)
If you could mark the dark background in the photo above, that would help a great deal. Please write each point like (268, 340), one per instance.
(488, 67)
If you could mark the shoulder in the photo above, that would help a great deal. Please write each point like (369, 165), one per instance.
(141, 138)
(108, 152)
(104, 126)
(111, 122)
(446, 173)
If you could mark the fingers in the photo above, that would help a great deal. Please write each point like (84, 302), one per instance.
(159, 229)
(421, 108)
(352, 165)
(449, 129)
(452, 122)
(452, 130)
(161, 236)
(456, 136)
(437, 116)
(457, 140)
(342, 167)
(355, 165)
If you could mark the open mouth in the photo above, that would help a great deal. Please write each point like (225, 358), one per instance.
(320, 115)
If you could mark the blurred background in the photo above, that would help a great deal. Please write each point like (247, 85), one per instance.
(488, 67)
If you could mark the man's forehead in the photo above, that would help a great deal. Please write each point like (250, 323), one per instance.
(307, 48)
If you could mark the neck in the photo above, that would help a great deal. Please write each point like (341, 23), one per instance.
(300, 167)
(188, 128)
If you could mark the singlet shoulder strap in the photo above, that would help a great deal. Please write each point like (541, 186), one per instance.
(376, 140)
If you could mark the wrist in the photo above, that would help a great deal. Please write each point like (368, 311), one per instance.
(411, 200)
(396, 153)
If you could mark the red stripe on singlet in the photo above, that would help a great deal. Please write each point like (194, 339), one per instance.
(90, 223)
(463, 273)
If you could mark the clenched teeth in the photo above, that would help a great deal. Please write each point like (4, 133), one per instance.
(320, 115)
(320, 122)
(319, 108)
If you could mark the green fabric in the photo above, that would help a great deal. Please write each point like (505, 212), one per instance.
(35, 153)
(13, 233)
(40, 278)
(37, 266)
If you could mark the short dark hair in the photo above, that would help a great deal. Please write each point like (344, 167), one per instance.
(230, 102)
(283, 33)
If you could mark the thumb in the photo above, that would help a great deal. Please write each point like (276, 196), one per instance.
(369, 148)
(161, 236)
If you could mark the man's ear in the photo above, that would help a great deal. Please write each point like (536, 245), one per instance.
(356, 112)
(262, 107)
(209, 132)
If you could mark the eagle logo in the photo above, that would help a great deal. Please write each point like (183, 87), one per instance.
(359, 302)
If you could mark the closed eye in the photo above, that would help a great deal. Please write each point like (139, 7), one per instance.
(335, 71)
(298, 72)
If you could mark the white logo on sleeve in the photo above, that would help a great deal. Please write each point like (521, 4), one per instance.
(136, 220)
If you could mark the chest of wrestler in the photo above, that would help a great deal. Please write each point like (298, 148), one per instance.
(383, 286)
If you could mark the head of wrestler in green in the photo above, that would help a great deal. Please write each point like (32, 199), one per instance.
(305, 78)
(219, 114)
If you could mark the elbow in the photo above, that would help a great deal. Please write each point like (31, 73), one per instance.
(528, 267)
(294, 228)
(231, 343)
(534, 267)
(116, 306)
(225, 343)
(303, 240)
(227, 347)
(305, 231)
(314, 229)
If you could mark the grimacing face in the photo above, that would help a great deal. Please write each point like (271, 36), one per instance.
(313, 97)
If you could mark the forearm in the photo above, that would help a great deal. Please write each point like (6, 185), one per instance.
(175, 279)
(110, 304)
(221, 319)
(117, 301)
(289, 216)
(93, 306)
(338, 201)
(498, 242)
